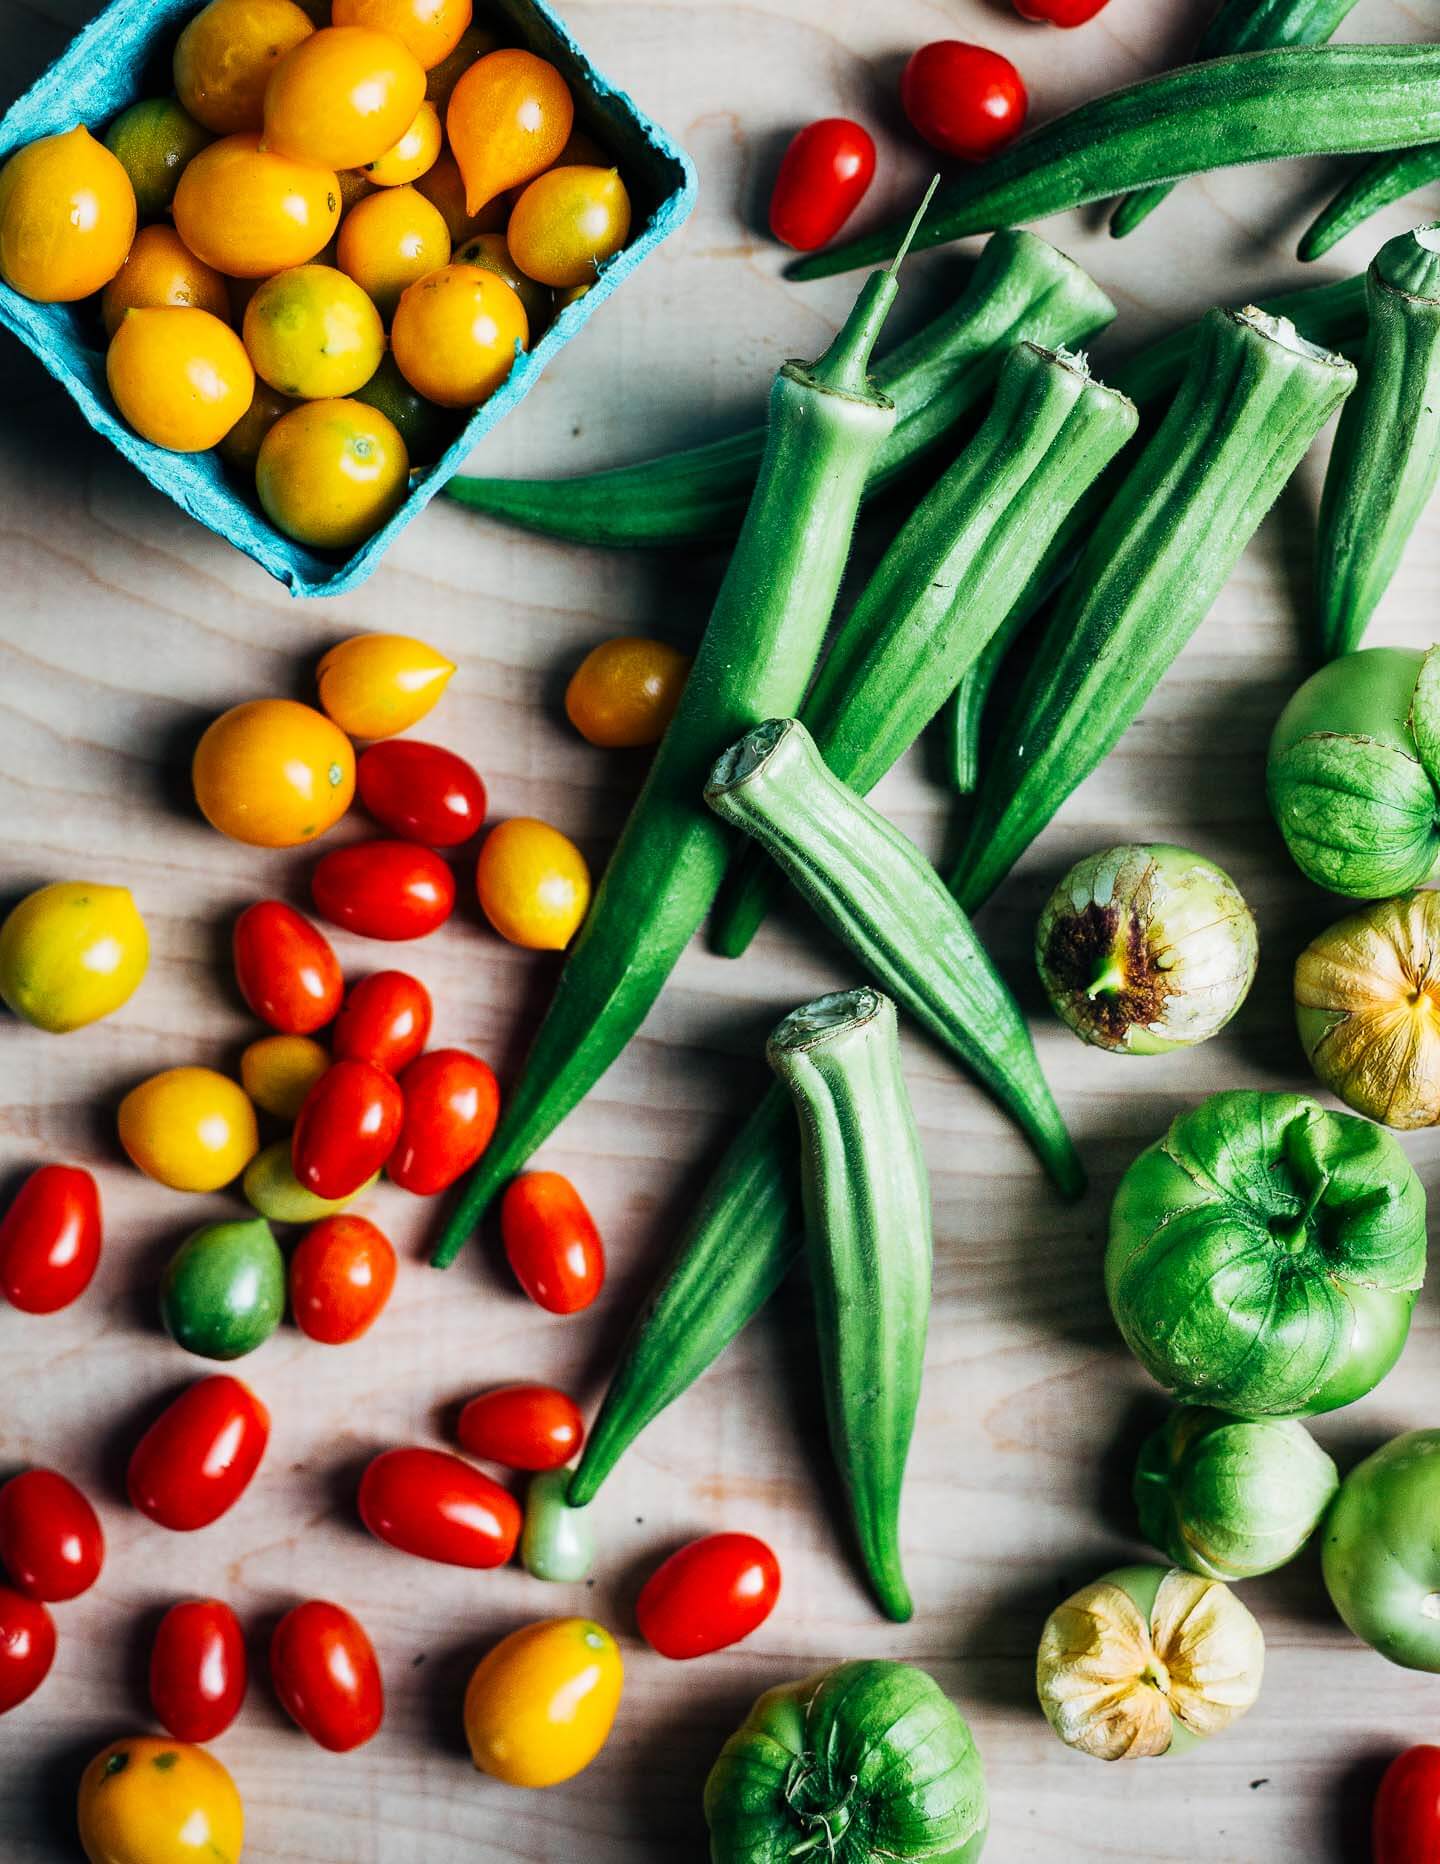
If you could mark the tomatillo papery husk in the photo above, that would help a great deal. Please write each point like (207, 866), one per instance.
(1381, 1550)
(1264, 1255)
(1231, 1497)
(1146, 1662)
(1367, 1002)
(1143, 949)
(1353, 773)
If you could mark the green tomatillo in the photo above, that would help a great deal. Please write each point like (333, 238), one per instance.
(1381, 1551)
(223, 1291)
(1264, 1255)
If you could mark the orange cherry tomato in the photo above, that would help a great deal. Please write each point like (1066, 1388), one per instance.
(383, 889)
(273, 773)
(625, 691)
(531, 1427)
(331, 473)
(67, 217)
(225, 55)
(490, 252)
(346, 1129)
(312, 333)
(277, 1072)
(161, 269)
(198, 1457)
(341, 1276)
(376, 685)
(51, 1542)
(457, 333)
(431, 29)
(414, 152)
(198, 1669)
(551, 1242)
(342, 97)
(509, 116)
(286, 968)
(326, 1675)
(249, 211)
(390, 240)
(50, 1239)
(451, 1103)
(444, 188)
(27, 1647)
(180, 377)
(541, 1704)
(241, 446)
(533, 884)
(708, 1595)
(436, 1507)
(385, 1020)
(567, 223)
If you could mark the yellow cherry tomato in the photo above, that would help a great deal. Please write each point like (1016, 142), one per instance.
(250, 212)
(491, 253)
(271, 1187)
(388, 241)
(533, 884)
(375, 685)
(189, 1128)
(443, 187)
(153, 140)
(330, 473)
(273, 773)
(541, 1704)
(241, 446)
(180, 377)
(441, 79)
(416, 151)
(625, 691)
(342, 97)
(277, 1072)
(161, 269)
(456, 333)
(425, 429)
(148, 1801)
(568, 223)
(313, 333)
(432, 29)
(509, 116)
(67, 217)
(71, 953)
(225, 55)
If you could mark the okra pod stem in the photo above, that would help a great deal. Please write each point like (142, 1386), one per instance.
(868, 1242)
(1388, 178)
(947, 582)
(1255, 396)
(882, 898)
(1021, 287)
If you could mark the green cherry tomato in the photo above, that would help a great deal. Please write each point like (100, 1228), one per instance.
(558, 1541)
(270, 1185)
(223, 1293)
(1380, 1553)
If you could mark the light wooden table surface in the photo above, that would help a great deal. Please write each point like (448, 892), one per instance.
(126, 627)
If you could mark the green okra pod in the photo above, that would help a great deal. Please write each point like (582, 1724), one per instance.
(1388, 178)
(1386, 457)
(1255, 395)
(868, 1242)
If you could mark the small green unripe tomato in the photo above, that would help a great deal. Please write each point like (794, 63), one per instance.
(558, 1541)
(270, 1185)
(1381, 1553)
(223, 1292)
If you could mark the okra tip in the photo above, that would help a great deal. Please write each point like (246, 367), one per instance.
(846, 363)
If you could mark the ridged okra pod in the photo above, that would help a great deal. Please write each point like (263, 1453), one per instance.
(955, 570)
(1021, 287)
(1389, 177)
(1254, 397)
(868, 1243)
(1386, 458)
(882, 899)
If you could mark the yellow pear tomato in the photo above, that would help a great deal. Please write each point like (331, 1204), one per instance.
(541, 1704)
(225, 55)
(625, 691)
(491, 253)
(273, 773)
(533, 884)
(179, 376)
(161, 269)
(277, 1072)
(67, 217)
(441, 79)
(153, 140)
(375, 685)
(509, 116)
(189, 1128)
(71, 953)
(432, 29)
(330, 473)
(443, 187)
(313, 333)
(342, 97)
(241, 446)
(568, 223)
(417, 150)
(456, 334)
(148, 1801)
(389, 240)
(250, 212)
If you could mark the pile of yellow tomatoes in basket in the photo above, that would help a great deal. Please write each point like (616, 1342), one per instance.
(348, 231)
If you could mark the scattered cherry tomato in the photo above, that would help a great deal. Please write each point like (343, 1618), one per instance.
(346, 1129)
(198, 1669)
(533, 884)
(51, 1541)
(383, 889)
(375, 685)
(150, 1801)
(708, 1595)
(1407, 1809)
(277, 1072)
(286, 969)
(823, 177)
(190, 1128)
(71, 953)
(50, 1239)
(963, 99)
(341, 1275)
(273, 773)
(330, 473)
(384, 1020)
(421, 792)
(541, 1704)
(197, 1458)
(625, 691)
(530, 1427)
(27, 1647)
(451, 1103)
(326, 1675)
(434, 1505)
(342, 97)
(1060, 12)
(551, 1242)
(508, 118)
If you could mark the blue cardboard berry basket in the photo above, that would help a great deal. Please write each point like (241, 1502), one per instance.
(125, 54)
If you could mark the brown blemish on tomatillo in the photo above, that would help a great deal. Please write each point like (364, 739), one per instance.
(1107, 970)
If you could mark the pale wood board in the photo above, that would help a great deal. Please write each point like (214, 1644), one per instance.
(126, 627)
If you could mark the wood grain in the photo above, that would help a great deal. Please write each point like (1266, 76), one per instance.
(124, 627)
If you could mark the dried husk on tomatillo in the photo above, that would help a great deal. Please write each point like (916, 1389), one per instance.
(1367, 1002)
(1147, 1662)
(1143, 949)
